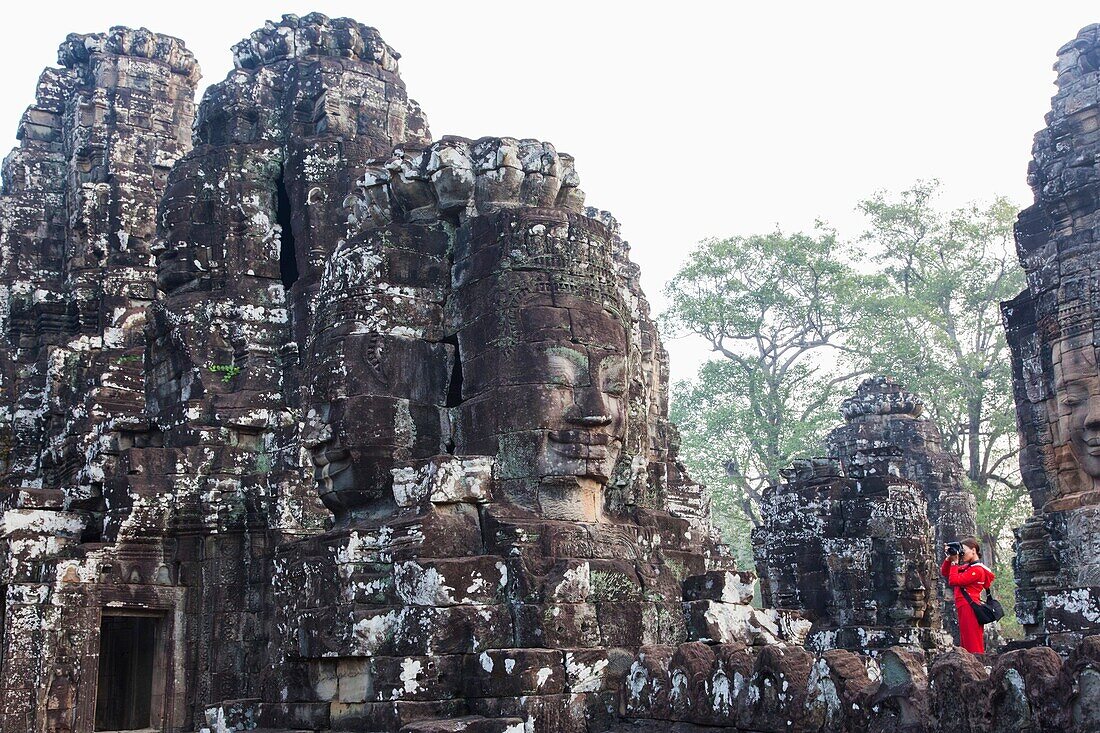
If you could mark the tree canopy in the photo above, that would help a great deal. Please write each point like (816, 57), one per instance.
(794, 319)
(937, 328)
(770, 306)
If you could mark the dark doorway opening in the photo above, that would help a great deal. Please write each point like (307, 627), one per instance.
(288, 256)
(128, 665)
(454, 385)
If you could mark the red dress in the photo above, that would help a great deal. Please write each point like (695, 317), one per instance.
(972, 579)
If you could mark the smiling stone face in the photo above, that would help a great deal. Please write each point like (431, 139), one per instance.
(378, 371)
(1077, 401)
(545, 352)
(585, 438)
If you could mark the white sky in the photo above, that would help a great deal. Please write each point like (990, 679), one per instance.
(690, 120)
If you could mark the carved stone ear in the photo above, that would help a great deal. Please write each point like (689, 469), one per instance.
(373, 354)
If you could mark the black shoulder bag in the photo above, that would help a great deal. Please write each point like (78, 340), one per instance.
(988, 611)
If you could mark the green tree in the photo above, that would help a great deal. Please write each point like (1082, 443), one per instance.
(938, 329)
(770, 306)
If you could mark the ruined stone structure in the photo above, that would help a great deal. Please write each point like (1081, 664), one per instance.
(882, 414)
(310, 423)
(85, 529)
(1053, 329)
(846, 540)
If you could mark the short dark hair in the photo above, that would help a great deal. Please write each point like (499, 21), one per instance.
(972, 543)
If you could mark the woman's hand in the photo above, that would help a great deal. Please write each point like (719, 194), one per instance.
(952, 556)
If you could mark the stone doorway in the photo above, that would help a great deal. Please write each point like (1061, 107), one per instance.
(130, 690)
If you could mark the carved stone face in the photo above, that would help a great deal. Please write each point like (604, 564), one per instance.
(912, 598)
(914, 573)
(550, 406)
(891, 586)
(545, 367)
(574, 404)
(218, 219)
(1077, 402)
(378, 373)
(190, 221)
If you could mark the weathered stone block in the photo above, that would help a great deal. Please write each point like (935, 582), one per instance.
(467, 724)
(391, 716)
(1028, 689)
(1072, 609)
(514, 672)
(557, 625)
(307, 716)
(540, 713)
(355, 680)
(774, 697)
(720, 585)
(426, 678)
(646, 688)
(728, 623)
(955, 680)
(445, 480)
(589, 670)
(450, 582)
(424, 630)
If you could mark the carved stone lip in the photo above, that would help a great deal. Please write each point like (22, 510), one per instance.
(581, 437)
(583, 444)
(326, 474)
(330, 462)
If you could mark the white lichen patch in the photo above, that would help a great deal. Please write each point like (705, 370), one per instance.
(410, 675)
(371, 634)
(1079, 601)
(422, 586)
(582, 677)
(445, 480)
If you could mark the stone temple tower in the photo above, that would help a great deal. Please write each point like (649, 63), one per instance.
(1053, 330)
(882, 414)
(851, 539)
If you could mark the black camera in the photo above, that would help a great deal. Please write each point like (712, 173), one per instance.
(954, 548)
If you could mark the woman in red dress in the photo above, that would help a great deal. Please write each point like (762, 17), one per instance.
(969, 577)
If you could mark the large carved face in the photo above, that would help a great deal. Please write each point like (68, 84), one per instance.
(571, 399)
(906, 560)
(1077, 401)
(880, 571)
(378, 372)
(907, 586)
(218, 219)
(356, 430)
(545, 365)
(585, 428)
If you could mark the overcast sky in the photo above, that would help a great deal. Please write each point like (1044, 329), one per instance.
(694, 119)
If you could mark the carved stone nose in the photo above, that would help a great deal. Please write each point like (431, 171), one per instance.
(1092, 419)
